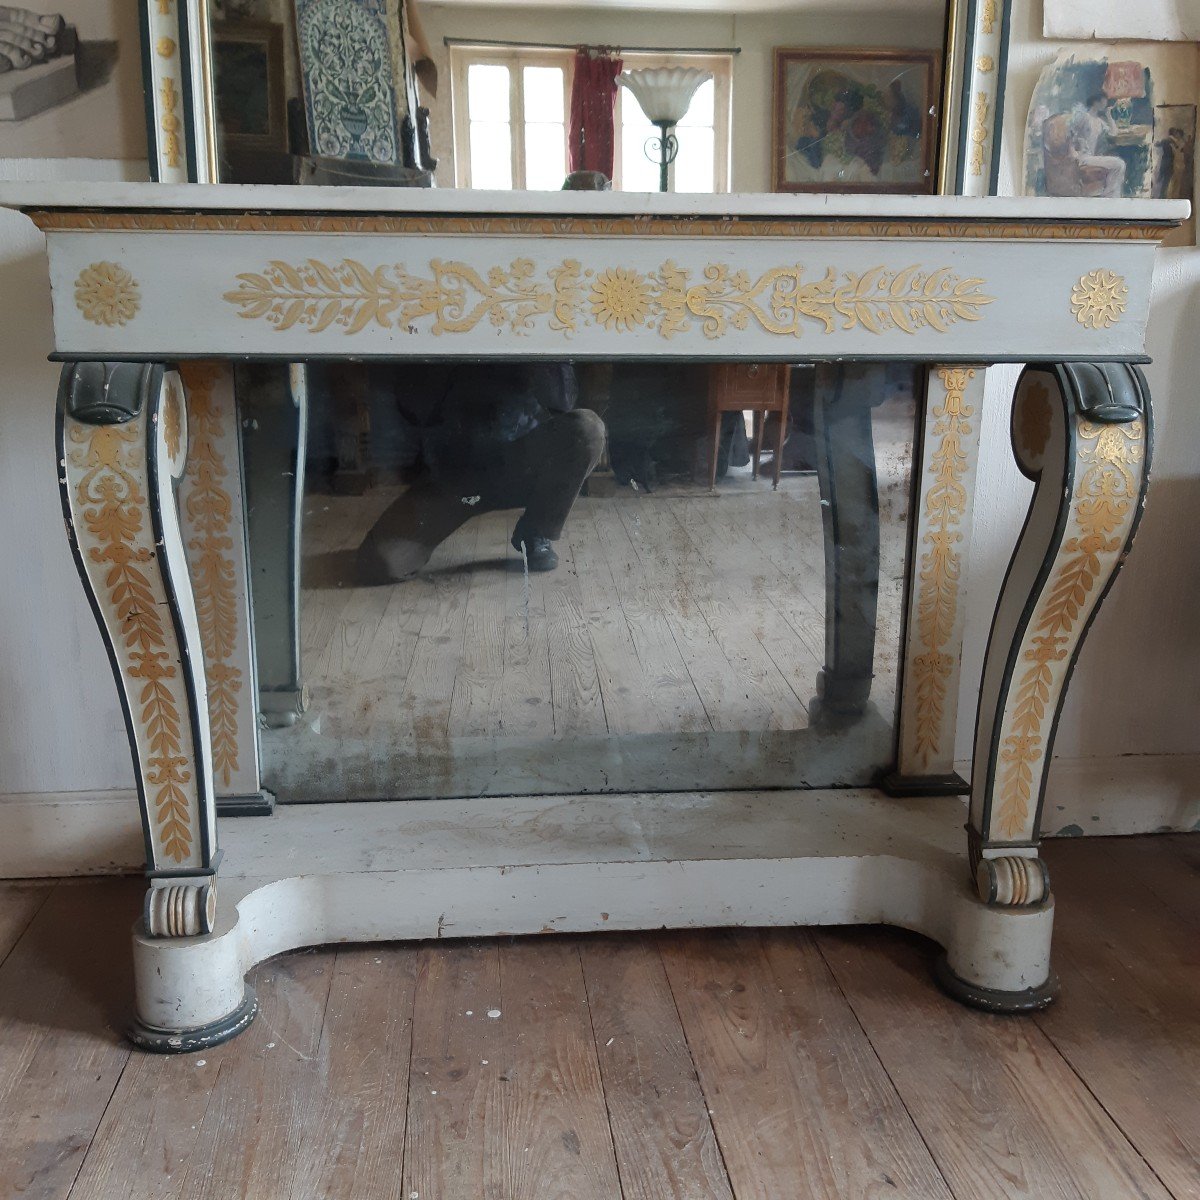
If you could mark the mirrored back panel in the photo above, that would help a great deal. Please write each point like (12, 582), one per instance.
(683, 95)
(557, 577)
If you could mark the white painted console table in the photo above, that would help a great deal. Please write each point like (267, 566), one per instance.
(156, 288)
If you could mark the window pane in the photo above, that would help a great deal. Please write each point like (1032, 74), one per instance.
(694, 164)
(700, 111)
(491, 154)
(545, 154)
(544, 94)
(638, 173)
(487, 92)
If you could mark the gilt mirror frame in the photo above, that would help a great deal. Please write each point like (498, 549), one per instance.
(177, 62)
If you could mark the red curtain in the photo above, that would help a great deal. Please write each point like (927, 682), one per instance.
(593, 98)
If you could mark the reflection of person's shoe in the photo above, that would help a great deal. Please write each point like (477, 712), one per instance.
(539, 553)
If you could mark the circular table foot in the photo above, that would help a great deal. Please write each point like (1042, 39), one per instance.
(186, 1041)
(992, 999)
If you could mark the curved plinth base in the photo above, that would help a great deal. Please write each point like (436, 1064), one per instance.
(412, 870)
(994, 1000)
(184, 1041)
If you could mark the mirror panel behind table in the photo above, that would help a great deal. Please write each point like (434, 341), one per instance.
(485, 578)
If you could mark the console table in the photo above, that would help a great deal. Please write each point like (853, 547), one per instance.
(158, 288)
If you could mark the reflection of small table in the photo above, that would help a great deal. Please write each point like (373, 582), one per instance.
(759, 388)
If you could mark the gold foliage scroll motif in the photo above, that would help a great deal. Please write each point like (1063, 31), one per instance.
(209, 509)
(1102, 511)
(352, 296)
(940, 570)
(112, 500)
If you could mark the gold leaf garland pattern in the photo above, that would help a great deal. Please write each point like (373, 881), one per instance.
(112, 501)
(351, 296)
(941, 564)
(209, 509)
(1103, 509)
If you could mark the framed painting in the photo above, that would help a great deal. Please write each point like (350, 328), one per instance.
(251, 99)
(855, 120)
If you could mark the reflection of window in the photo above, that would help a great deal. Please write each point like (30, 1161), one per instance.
(510, 122)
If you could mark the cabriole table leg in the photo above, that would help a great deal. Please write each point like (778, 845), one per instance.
(122, 446)
(1082, 433)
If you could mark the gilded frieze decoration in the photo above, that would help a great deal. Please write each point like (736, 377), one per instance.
(940, 570)
(106, 294)
(595, 227)
(170, 123)
(209, 508)
(351, 296)
(1102, 511)
(110, 498)
(979, 132)
(1099, 299)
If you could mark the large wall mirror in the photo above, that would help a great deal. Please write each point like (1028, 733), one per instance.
(475, 578)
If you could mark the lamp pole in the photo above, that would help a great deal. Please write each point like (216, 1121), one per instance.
(664, 147)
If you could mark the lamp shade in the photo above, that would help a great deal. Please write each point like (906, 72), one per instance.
(664, 92)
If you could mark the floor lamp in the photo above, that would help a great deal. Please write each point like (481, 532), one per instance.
(664, 94)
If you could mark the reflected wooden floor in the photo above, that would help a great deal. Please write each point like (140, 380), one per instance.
(780, 1065)
(684, 617)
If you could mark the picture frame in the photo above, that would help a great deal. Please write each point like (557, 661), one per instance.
(251, 95)
(856, 119)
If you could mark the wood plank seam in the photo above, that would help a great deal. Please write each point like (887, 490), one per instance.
(695, 1068)
(837, 983)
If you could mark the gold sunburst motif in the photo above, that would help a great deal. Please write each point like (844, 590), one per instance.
(111, 499)
(351, 296)
(1102, 510)
(209, 509)
(106, 294)
(940, 571)
(1099, 299)
(620, 298)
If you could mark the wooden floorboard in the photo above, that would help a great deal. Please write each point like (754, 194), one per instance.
(19, 904)
(64, 995)
(1001, 1111)
(799, 1102)
(1128, 1020)
(664, 1139)
(506, 1098)
(736, 1065)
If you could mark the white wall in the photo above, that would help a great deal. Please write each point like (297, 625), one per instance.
(756, 34)
(61, 728)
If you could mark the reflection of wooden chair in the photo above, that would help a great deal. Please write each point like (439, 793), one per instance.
(760, 388)
(1066, 175)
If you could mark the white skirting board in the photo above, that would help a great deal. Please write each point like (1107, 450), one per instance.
(46, 834)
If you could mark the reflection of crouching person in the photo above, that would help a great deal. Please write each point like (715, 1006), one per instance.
(493, 436)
